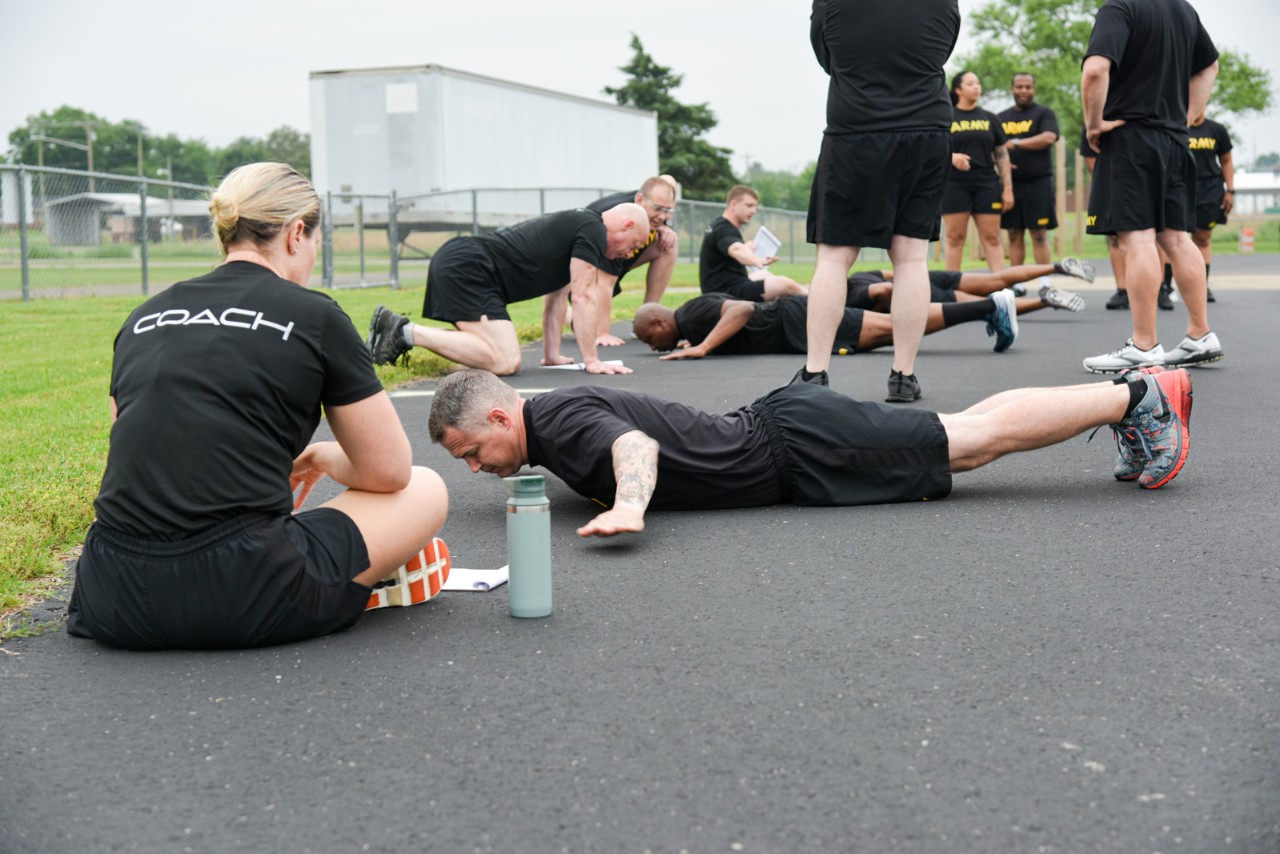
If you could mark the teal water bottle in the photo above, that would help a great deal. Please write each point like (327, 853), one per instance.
(529, 546)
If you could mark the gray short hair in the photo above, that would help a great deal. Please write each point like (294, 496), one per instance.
(463, 400)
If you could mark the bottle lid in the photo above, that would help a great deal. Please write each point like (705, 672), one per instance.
(528, 485)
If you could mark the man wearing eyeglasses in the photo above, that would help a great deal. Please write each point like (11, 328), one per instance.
(658, 197)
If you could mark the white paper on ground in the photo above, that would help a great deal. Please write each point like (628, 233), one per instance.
(475, 580)
(579, 366)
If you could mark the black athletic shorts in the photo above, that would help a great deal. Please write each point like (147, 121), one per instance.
(942, 288)
(977, 192)
(462, 284)
(1035, 205)
(1145, 178)
(870, 186)
(256, 580)
(744, 289)
(1209, 212)
(834, 450)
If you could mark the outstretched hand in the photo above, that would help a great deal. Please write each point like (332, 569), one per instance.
(685, 352)
(556, 360)
(618, 520)
(599, 367)
(609, 340)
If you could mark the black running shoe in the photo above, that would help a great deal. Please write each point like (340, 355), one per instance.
(820, 378)
(1165, 299)
(386, 337)
(1120, 299)
(903, 388)
(1209, 292)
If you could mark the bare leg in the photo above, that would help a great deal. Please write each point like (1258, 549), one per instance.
(395, 525)
(1034, 419)
(782, 286)
(827, 293)
(1188, 272)
(488, 344)
(1017, 247)
(956, 228)
(877, 329)
(989, 235)
(911, 299)
(1040, 245)
(985, 284)
(1117, 260)
(1142, 281)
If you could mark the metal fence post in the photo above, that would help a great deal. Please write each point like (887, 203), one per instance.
(475, 215)
(360, 234)
(22, 232)
(542, 200)
(326, 231)
(791, 224)
(393, 241)
(142, 236)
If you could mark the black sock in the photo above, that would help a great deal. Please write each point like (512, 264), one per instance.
(806, 376)
(1206, 273)
(1168, 275)
(965, 312)
(1137, 391)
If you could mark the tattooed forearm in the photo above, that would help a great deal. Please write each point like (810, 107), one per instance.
(635, 466)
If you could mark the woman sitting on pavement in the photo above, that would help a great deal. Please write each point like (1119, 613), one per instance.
(217, 386)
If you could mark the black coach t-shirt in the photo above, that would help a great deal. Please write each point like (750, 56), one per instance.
(1209, 142)
(885, 59)
(218, 383)
(618, 266)
(1020, 124)
(716, 268)
(777, 326)
(704, 461)
(532, 257)
(1155, 46)
(975, 133)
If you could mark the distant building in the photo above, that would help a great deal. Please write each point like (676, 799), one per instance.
(79, 219)
(428, 129)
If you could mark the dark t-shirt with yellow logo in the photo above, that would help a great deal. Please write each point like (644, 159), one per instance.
(976, 133)
(1020, 124)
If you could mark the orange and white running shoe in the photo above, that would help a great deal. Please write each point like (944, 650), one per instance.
(419, 580)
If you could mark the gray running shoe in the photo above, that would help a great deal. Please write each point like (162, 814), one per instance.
(1120, 299)
(1195, 351)
(1127, 356)
(903, 388)
(1157, 429)
(1076, 268)
(386, 337)
(1165, 297)
(1004, 322)
(1056, 298)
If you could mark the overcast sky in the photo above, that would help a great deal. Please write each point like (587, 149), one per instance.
(226, 70)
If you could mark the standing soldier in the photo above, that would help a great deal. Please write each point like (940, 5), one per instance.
(1032, 130)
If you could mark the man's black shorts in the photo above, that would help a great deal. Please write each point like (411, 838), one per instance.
(1145, 178)
(1034, 205)
(744, 289)
(462, 284)
(256, 580)
(975, 192)
(870, 186)
(1209, 212)
(833, 450)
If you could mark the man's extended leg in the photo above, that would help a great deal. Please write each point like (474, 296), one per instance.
(1040, 245)
(1017, 246)
(1142, 282)
(827, 293)
(1148, 411)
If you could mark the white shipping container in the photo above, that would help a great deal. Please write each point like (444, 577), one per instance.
(427, 129)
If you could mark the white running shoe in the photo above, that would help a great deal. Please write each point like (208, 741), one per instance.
(1195, 351)
(1076, 268)
(1057, 298)
(1127, 356)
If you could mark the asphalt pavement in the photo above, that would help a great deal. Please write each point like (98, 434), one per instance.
(1048, 660)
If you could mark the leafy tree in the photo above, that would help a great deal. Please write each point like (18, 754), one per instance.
(1048, 38)
(290, 146)
(1270, 160)
(781, 189)
(702, 169)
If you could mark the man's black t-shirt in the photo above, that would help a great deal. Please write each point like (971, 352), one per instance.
(975, 133)
(218, 383)
(1155, 46)
(1209, 141)
(704, 461)
(885, 60)
(716, 269)
(532, 257)
(777, 326)
(618, 266)
(1020, 124)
